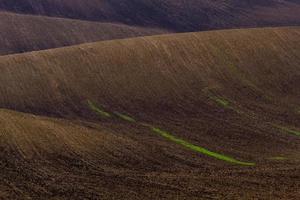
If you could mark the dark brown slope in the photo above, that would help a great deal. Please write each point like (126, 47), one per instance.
(46, 158)
(178, 15)
(233, 92)
(22, 33)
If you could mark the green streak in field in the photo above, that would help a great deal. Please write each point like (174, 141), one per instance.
(170, 137)
(294, 132)
(222, 102)
(125, 117)
(96, 109)
(278, 158)
(198, 148)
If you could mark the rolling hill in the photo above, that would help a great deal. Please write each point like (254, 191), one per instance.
(191, 115)
(22, 33)
(178, 15)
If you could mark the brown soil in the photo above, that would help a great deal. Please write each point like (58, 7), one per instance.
(234, 92)
(23, 33)
(177, 15)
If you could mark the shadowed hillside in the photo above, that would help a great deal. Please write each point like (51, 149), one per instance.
(178, 15)
(191, 115)
(21, 33)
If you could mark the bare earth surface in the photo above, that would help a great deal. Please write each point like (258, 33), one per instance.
(209, 115)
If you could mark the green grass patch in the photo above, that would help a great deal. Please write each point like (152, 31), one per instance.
(199, 149)
(125, 117)
(293, 132)
(221, 101)
(278, 158)
(98, 110)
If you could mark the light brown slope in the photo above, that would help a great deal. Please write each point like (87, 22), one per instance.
(150, 73)
(21, 33)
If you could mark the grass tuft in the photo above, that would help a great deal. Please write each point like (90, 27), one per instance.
(278, 158)
(222, 102)
(124, 117)
(97, 110)
(294, 132)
